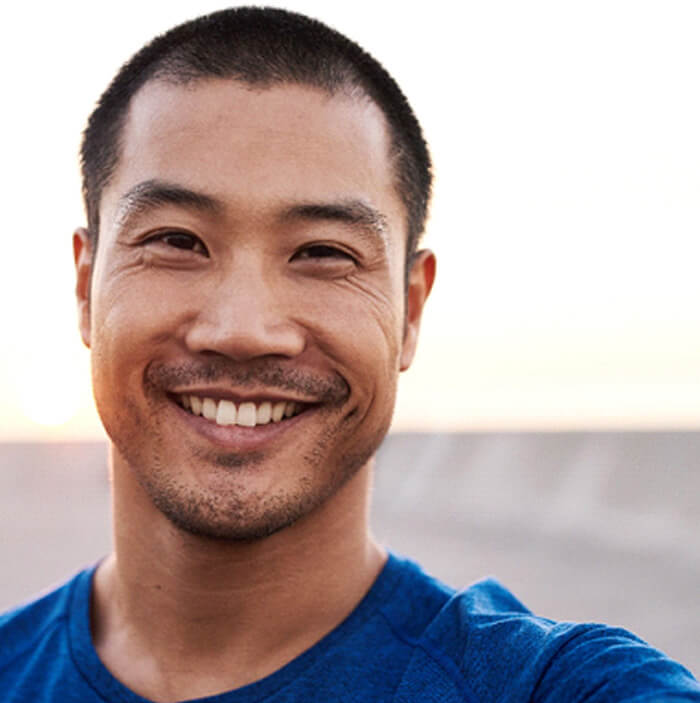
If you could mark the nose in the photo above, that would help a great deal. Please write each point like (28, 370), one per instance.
(244, 314)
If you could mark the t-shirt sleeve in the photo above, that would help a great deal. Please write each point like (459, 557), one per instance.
(505, 653)
(600, 664)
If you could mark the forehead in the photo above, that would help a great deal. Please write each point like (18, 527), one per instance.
(257, 149)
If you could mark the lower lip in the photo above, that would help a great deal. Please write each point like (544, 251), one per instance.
(237, 437)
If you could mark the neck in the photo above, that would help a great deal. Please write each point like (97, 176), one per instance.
(198, 602)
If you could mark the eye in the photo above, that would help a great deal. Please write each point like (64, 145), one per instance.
(180, 240)
(316, 252)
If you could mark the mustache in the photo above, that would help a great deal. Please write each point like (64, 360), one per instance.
(312, 386)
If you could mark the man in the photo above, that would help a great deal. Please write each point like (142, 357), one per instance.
(249, 285)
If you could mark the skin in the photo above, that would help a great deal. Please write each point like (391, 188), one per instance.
(236, 549)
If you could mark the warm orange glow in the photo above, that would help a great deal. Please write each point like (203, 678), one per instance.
(49, 390)
(565, 217)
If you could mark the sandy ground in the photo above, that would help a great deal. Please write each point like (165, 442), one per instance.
(581, 526)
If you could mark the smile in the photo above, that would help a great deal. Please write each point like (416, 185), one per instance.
(245, 414)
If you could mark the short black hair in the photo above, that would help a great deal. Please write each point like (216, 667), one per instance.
(261, 47)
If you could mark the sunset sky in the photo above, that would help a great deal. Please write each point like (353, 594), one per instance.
(566, 216)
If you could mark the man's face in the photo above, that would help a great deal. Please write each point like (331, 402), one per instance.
(249, 271)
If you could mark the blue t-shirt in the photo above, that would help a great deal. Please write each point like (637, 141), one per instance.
(410, 639)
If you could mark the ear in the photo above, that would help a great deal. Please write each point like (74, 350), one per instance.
(420, 281)
(82, 256)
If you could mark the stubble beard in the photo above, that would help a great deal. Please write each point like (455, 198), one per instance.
(233, 512)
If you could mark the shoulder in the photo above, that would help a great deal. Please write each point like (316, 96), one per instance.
(23, 627)
(504, 650)
(483, 644)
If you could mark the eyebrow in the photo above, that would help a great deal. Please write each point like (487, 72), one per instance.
(154, 193)
(355, 213)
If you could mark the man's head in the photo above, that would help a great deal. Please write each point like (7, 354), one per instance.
(249, 305)
(260, 47)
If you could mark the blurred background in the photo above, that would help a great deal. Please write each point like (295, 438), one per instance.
(548, 431)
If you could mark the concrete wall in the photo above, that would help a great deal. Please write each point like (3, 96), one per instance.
(581, 526)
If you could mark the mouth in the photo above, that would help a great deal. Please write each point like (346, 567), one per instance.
(226, 413)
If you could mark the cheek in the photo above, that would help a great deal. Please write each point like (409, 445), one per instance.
(360, 330)
(131, 320)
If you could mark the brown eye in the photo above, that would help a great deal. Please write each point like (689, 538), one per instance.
(181, 240)
(323, 251)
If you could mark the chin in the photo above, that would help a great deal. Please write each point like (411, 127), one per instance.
(232, 518)
(232, 508)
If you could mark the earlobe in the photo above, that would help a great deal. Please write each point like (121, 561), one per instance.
(82, 256)
(420, 282)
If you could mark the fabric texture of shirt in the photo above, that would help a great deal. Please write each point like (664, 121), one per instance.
(410, 639)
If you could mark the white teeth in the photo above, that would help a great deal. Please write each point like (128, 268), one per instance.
(263, 414)
(278, 411)
(209, 408)
(225, 412)
(246, 415)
